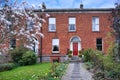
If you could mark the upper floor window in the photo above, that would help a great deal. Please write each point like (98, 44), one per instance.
(99, 44)
(72, 24)
(55, 45)
(95, 24)
(52, 24)
(30, 25)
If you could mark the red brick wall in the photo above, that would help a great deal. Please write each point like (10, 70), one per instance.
(83, 30)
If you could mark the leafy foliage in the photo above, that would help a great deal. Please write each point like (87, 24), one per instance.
(28, 58)
(7, 66)
(23, 56)
(104, 66)
(57, 71)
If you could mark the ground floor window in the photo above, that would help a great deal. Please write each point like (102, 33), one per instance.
(12, 43)
(99, 44)
(55, 45)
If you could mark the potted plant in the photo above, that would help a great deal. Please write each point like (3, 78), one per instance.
(69, 53)
(80, 53)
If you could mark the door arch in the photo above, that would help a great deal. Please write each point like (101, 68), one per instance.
(75, 45)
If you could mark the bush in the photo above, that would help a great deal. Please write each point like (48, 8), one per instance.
(57, 71)
(87, 56)
(28, 58)
(7, 66)
(23, 56)
(17, 53)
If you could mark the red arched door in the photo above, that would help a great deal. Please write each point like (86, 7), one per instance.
(75, 48)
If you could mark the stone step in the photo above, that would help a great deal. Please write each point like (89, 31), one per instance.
(75, 58)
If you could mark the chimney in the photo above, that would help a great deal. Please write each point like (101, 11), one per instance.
(81, 6)
(43, 6)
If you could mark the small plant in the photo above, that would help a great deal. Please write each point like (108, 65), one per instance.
(69, 53)
(57, 71)
(80, 53)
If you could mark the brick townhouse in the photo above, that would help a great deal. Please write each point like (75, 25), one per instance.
(75, 29)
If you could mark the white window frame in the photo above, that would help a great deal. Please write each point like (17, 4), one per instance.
(52, 23)
(72, 22)
(55, 42)
(95, 24)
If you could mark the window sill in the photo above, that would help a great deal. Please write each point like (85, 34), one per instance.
(96, 31)
(55, 52)
(72, 31)
(51, 31)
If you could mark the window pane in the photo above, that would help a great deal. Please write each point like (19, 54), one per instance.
(55, 48)
(52, 21)
(99, 41)
(55, 42)
(72, 20)
(72, 27)
(99, 44)
(52, 24)
(96, 27)
(95, 24)
(12, 43)
(52, 27)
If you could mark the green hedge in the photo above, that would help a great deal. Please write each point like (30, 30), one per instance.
(28, 58)
(23, 56)
(7, 66)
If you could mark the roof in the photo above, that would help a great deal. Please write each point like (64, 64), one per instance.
(78, 10)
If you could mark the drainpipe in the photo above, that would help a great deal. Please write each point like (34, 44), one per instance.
(41, 47)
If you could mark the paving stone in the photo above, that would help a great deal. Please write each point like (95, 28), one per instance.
(76, 71)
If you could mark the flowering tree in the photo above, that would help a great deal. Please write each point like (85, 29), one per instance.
(116, 27)
(19, 21)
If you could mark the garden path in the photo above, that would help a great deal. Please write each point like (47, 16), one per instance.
(76, 71)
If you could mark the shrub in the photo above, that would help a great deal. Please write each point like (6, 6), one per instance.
(57, 71)
(23, 56)
(70, 53)
(87, 56)
(17, 53)
(7, 66)
(28, 58)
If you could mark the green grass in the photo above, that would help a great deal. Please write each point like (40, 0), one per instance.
(33, 72)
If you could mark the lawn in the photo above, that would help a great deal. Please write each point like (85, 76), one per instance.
(26, 72)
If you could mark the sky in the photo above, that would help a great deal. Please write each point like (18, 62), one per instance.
(72, 3)
(76, 3)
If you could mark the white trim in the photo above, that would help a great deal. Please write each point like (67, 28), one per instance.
(71, 43)
(84, 12)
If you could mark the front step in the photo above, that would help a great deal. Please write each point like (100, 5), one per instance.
(75, 59)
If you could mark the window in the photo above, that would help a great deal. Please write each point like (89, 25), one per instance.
(35, 48)
(30, 25)
(55, 45)
(99, 44)
(52, 24)
(95, 24)
(12, 43)
(72, 24)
